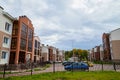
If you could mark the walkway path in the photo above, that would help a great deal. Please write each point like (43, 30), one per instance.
(50, 69)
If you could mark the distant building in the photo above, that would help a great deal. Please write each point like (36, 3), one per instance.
(73, 59)
(90, 55)
(57, 54)
(44, 53)
(54, 54)
(37, 50)
(6, 24)
(50, 52)
(106, 46)
(61, 56)
(115, 44)
(101, 52)
(22, 41)
(97, 53)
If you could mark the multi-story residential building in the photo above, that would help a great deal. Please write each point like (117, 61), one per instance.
(97, 53)
(54, 54)
(50, 52)
(101, 52)
(115, 44)
(6, 24)
(37, 50)
(92, 54)
(22, 41)
(61, 56)
(44, 53)
(106, 46)
(57, 54)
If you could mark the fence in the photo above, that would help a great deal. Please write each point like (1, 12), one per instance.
(106, 66)
(7, 70)
(29, 69)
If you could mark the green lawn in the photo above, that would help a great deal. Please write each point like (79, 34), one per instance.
(106, 75)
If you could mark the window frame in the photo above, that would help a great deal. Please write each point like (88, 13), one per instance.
(4, 55)
(7, 27)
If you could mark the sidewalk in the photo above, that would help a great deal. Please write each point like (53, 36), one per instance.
(50, 69)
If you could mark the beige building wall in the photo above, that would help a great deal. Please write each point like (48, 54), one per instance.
(45, 56)
(6, 24)
(115, 44)
(45, 53)
(37, 50)
(115, 50)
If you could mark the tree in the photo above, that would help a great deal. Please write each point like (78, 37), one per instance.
(81, 54)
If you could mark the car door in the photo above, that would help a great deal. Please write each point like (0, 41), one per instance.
(75, 66)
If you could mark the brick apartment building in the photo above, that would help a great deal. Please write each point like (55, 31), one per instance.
(22, 41)
(6, 24)
(52, 53)
(106, 46)
(92, 54)
(97, 53)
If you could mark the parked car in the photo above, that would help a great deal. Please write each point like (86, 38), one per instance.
(90, 64)
(77, 66)
(64, 62)
(67, 63)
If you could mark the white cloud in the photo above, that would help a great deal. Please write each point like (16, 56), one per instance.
(97, 10)
(81, 5)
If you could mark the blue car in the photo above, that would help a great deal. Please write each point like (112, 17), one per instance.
(77, 66)
(67, 63)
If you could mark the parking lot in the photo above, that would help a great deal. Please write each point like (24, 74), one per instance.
(96, 67)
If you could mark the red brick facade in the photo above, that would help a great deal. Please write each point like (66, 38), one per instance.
(106, 46)
(22, 41)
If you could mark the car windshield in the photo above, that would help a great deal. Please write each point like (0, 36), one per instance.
(81, 63)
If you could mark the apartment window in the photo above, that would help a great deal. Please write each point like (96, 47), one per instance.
(4, 54)
(30, 34)
(13, 43)
(38, 44)
(7, 26)
(30, 46)
(23, 44)
(15, 30)
(6, 40)
(24, 31)
(35, 43)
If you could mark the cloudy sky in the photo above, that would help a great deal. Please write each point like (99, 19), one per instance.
(68, 24)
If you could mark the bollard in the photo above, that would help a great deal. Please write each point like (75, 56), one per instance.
(31, 68)
(53, 66)
(114, 65)
(102, 65)
(4, 70)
